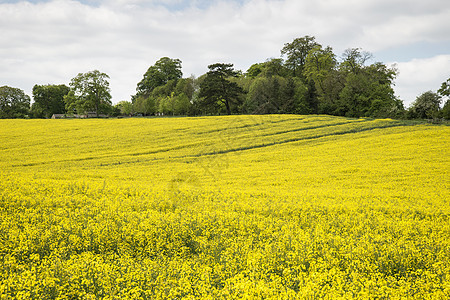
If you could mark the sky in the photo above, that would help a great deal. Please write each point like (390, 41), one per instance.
(51, 41)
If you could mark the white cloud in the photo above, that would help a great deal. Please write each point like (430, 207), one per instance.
(408, 29)
(421, 75)
(52, 41)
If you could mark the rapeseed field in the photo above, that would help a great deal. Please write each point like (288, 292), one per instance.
(230, 207)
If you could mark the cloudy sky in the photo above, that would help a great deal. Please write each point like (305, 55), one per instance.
(51, 41)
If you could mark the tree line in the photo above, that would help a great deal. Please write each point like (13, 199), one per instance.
(308, 78)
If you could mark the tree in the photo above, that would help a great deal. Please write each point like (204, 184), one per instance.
(162, 72)
(353, 60)
(216, 89)
(305, 99)
(125, 108)
(369, 93)
(296, 53)
(446, 110)
(351, 88)
(260, 98)
(254, 70)
(426, 105)
(269, 68)
(14, 103)
(275, 94)
(49, 100)
(319, 72)
(444, 91)
(89, 92)
(144, 105)
(167, 105)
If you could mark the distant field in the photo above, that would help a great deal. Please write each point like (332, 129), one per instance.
(231, 207)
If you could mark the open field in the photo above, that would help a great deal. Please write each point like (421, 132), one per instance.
(231, 207)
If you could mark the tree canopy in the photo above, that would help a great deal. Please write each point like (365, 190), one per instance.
(49, 100)
(296, 53)
(89, 92)
(164, 70)
(14, 103)
(216, 88)
(427, 105)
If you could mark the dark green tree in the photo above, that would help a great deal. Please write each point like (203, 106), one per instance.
(216, 89)
(89, 92)
(14, 103)
(161, 73)
(48, 100)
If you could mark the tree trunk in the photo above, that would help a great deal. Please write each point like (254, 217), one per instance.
(228, 107)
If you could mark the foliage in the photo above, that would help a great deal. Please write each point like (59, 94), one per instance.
(318, 65)
(173, 104)
(368, 92)
(145, 105)
(216, 89)
(276, 94)
(446, 110)
(272, 67)
(14, 103)
(164, 70)
(353, 60)
(49, 100)
(125, 108)
(350, 88)
(322, 76)
(444, 90)
(427, 105)
(90, 92)
(296, 53)
(232, 207)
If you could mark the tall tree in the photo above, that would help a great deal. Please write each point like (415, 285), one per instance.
(89, 92)
(14, 103)
(296, 53)
(320, 74)
(164, 70)
(49, 100)
(216, 88)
